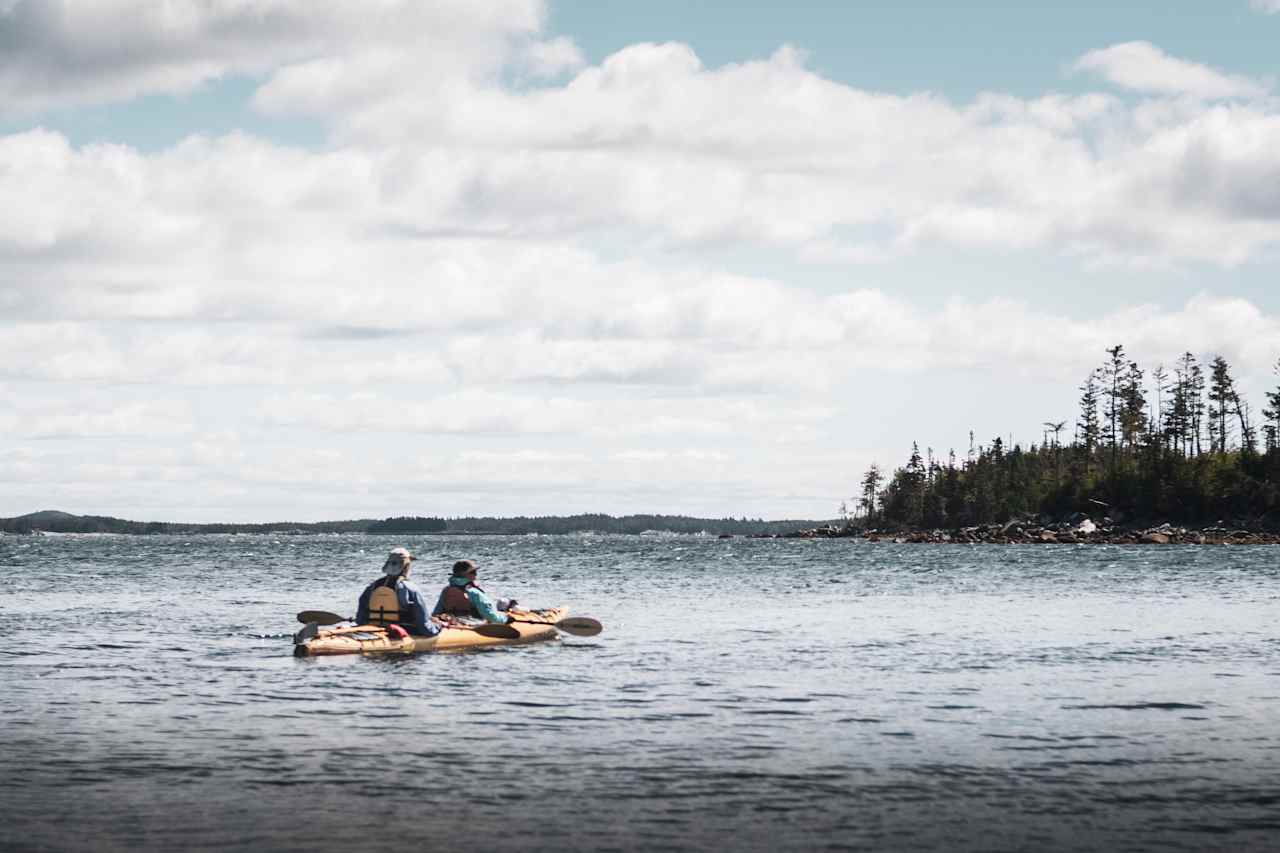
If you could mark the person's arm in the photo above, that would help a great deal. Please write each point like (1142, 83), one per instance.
(362, 608)
(422, 624)
(485, 606)
(439, 608)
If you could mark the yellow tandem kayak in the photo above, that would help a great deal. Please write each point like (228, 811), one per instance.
(535, 625)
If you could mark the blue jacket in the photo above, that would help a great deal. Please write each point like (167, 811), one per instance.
(411, 602)
(480, 600)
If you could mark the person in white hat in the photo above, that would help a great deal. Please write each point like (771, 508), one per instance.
(393, 600)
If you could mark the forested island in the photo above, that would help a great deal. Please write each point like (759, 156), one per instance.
(53, 521)
(1173, 454)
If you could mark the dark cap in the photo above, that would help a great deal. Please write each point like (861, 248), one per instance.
(464, 567)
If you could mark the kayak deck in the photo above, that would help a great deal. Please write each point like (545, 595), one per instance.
(374, 640)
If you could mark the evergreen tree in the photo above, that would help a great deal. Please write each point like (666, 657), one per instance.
(870, 490)
(1272, 413)
(1133, 406)
(1177, 425)
(1088, 430)
(1161, 388)
(1222, 402)
(1113, 380)
(1197, 407)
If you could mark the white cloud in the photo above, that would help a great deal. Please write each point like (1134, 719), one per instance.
(768, 152)
(550, 58)
(1143, 67)
(65, 52)
(467, 412)
(66, 419)
(764, 152)
(1270, 7)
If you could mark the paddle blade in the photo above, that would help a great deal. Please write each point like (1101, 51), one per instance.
(580, 626)
(501, 632)
(320, 617)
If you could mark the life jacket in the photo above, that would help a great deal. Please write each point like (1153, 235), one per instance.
(458, 603)
(384, 604)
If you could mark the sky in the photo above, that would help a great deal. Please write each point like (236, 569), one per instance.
(309, 259)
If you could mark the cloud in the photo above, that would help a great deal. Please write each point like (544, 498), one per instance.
(1143, 67)
(88, 418)
(466, 412)
(550, 58)
(517, 411)
(767, 152)
(1269, 7)
(56, 53)
(655, 148)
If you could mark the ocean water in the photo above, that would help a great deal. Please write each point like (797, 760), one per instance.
(745, 694)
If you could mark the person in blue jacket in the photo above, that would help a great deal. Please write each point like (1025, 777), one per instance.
(392, 600)
(464, 597)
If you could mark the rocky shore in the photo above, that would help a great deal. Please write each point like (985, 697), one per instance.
(1078, 529)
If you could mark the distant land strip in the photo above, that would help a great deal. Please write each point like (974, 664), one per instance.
(54, 521)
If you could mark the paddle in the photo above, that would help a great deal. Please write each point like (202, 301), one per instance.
(581, 626)
(320, 617)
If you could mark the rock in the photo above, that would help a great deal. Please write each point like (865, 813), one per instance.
(1152, 537)
(1048, 536)
(1086, 527)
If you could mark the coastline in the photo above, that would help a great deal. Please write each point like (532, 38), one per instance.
(1032, 533)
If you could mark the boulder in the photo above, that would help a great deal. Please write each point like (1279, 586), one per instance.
(1086, 527)
(1152, 537)
(1048, 536)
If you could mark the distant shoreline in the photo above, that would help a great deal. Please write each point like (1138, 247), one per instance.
(57, 522)
(1031, 533)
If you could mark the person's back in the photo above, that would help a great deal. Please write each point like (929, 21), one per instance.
(393, 600)
(463, 597)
